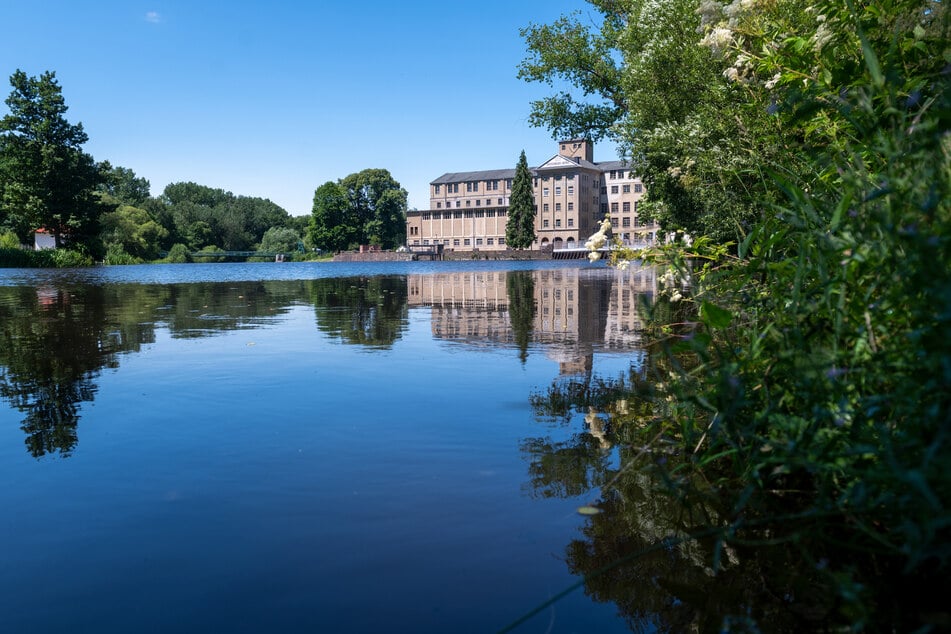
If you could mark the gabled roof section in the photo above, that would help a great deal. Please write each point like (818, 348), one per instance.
(563, 162)
(613, 165)
(484, 175)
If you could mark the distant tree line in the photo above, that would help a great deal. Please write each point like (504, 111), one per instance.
(106, 212)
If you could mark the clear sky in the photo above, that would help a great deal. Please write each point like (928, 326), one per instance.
(273, 99)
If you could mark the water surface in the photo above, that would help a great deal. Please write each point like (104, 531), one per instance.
(297, 447)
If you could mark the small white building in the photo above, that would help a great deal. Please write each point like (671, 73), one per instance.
(43, 239)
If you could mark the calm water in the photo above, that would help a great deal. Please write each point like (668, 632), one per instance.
(299, 447)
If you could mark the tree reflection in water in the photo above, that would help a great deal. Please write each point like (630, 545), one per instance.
(56, 340)
(651, 549)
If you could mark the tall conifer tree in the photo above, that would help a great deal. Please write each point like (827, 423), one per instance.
(520, 229)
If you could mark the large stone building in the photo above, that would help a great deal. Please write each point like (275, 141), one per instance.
(469, 210)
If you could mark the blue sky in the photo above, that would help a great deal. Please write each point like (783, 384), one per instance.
(274, 99)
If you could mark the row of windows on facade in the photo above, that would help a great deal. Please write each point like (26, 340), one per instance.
(473, 187)
(478, 203)
(484, 213)
(464, 242)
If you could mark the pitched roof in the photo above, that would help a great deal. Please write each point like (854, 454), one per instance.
(483, 175)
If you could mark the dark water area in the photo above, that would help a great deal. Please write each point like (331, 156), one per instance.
(307, 447)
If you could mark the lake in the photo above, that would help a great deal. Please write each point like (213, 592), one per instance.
(302, 447)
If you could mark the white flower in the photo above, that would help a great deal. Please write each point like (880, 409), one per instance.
(822, 37)
(623, 264)
(676, 297)
(717, 40)
(594, 256)
(775, 80)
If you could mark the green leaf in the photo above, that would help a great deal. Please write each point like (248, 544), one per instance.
(714, 316)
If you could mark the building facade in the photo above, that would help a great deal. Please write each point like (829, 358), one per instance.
(469, 210)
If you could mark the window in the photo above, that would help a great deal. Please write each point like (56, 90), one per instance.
(614, 222)
(626, 207)
(454, 187)
(557, 206)
(468, 214)
(468, 203)
(472, 187)
(545, 207)
(558, 191)
(467, 242)
(478, 242)
(613, 189)
(436, 188)
(626, 221)
(571, 222)
(620, 174)
(455, 242)
(571, 190)
(571, 206)
(500, 202)
(488, 202)
(638, 188)
(425, 242)
(438, 205)
(501, 241)
(545, 223)
(613, 174)
(508, 183)
(626, 189)
(458, 203)
(613, 208)
(457, 214)
(480, 214)
(490, 241)
(557, 222)
(604, 208)
(557, 177)
(545, 191)
(490, 213)
(478, 202)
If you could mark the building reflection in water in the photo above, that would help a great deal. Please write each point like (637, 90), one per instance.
(574, 312)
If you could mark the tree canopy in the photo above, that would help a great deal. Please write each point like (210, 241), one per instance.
(368, 207)
(46, 180)
(520, 227)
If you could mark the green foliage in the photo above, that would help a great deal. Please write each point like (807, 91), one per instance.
(367, 207)
(131, 231)
(9, 240)
(116, 255)
(201, 216)
(280, 240)
(178, 254)
(805, 394)
(122, 184)
(332, 225)
(46, 180)
(520, 227)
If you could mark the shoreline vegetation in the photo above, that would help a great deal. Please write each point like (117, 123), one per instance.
(790, 435)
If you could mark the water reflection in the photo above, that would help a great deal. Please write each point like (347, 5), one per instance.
(56, 339)
(570, 313)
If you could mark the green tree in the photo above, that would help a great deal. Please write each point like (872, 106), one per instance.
(133, 231)
(520, 228)
(280, 240)
(46, 180)
(122, 184)
(332, 226)
(368, 207)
